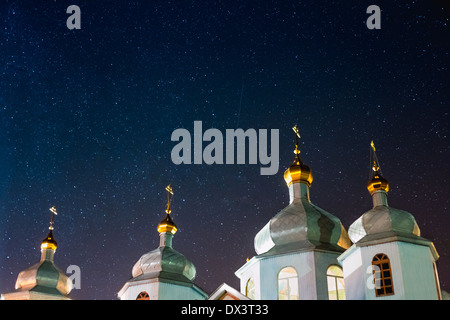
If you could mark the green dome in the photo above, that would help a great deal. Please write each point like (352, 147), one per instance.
(299, 226)
(44, 277)
(382, 222)
(164, 262)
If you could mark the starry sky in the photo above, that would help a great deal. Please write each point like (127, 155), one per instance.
(86, 118)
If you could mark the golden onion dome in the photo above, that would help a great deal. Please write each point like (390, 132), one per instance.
(167, 225)
(298, 172)
(378, 182)
(49, 242)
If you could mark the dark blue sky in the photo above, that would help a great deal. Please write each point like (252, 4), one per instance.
(86, 118)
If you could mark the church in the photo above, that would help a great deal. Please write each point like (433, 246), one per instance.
(43, 280)
(163, 273)
(302, 253)
(305, 253)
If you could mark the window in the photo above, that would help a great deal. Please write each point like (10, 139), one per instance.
(250, 289)
(382, 276)
(143, 296)
(335, 280)
(287, 284)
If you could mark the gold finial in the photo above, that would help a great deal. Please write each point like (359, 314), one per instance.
(297, 136)
(49, 242)
(167, 224)
(298, 172)
(54, 212)
(377, 181)
(169, 198)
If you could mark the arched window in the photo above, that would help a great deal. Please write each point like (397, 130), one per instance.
(143, 296)
(382, 275)
(288, 284)
(250, 289)
(335, 280)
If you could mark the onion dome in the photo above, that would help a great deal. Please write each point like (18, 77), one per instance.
(298, 172)
(49, 242)
(377, 182)
(301, 225)
(382, 221)
(167, 225)
(44, 277)
(165, 262)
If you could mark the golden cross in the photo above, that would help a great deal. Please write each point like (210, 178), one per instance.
(297, 136)
(375, 166)
(54, 212)
(169, 198)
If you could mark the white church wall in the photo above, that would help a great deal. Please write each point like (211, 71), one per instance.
(418, 274)
(161, 291)
(303, 262)
(134, 289)
(391, 250)
(411, 269)
(170, 291)
(311, 268)
(354, 277)
(322, 261)
(251, 270)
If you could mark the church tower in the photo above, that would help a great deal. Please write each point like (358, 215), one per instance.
(297, 249)
(42, 281)
(389, 259)
(163, 273)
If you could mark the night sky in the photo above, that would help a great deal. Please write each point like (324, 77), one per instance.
(86, 118)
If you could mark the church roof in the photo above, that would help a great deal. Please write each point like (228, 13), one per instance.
(164, 261)
(44, 277)
(225, 292)
(299, 226)
(382, 220)
(383, 223)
